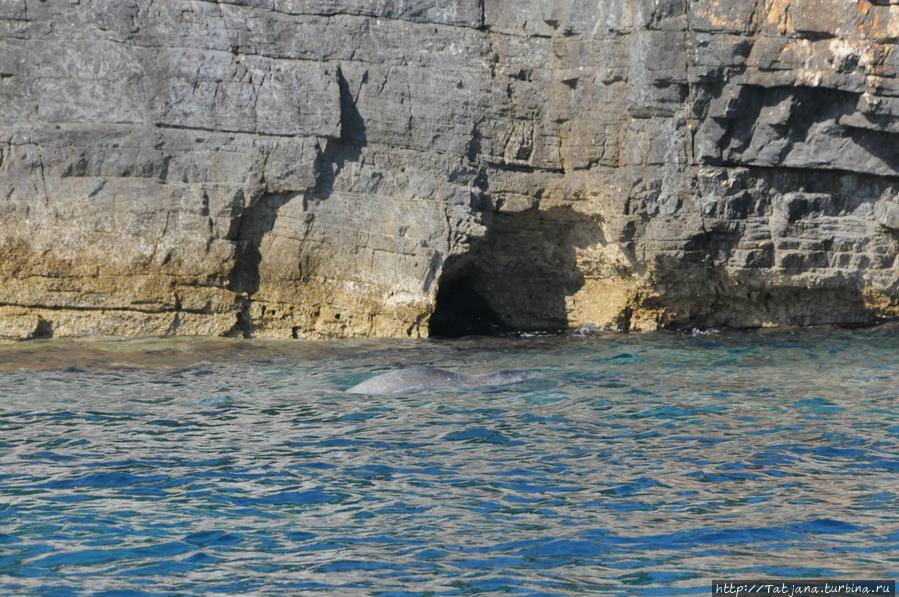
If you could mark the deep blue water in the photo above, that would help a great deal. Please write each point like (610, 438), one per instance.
(634, 465)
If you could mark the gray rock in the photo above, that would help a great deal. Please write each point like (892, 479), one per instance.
(887, 214)
(323, 168)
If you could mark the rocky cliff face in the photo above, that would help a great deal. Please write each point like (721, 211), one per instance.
(315, 168)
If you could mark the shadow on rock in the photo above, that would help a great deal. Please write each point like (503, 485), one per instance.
(516, 276)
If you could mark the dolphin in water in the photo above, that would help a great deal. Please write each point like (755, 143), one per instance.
(412, 379)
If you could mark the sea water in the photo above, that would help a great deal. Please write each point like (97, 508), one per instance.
(631, 465)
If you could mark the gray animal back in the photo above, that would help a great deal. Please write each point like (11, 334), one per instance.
(407, 380)
(419, 377)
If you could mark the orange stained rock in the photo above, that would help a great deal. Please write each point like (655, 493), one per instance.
(831, 17)
(863, 7)
(732, 15)
(881, 22)
(778, 14)
(884, 23)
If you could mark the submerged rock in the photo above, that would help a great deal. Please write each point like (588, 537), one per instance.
(347, 168)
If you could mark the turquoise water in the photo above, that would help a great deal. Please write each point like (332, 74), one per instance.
(634, 465)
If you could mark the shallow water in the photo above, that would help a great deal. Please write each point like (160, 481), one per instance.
(634, 465)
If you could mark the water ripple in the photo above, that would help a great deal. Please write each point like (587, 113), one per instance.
(634, 466)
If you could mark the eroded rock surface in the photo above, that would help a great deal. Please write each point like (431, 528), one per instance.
(319, 168)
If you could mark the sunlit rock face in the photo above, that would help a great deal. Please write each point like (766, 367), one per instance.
(323, 168)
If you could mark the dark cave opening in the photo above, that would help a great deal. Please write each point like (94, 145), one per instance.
(516, 277)
(462, 311)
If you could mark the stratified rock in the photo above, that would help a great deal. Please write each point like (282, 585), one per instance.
(321, 168)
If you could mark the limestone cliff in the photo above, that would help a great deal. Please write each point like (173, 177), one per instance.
(320, 168)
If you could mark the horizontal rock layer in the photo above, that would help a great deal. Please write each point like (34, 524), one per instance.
(322, 168)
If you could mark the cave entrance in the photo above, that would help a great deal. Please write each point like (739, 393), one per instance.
(461, 310)
(516, 277)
